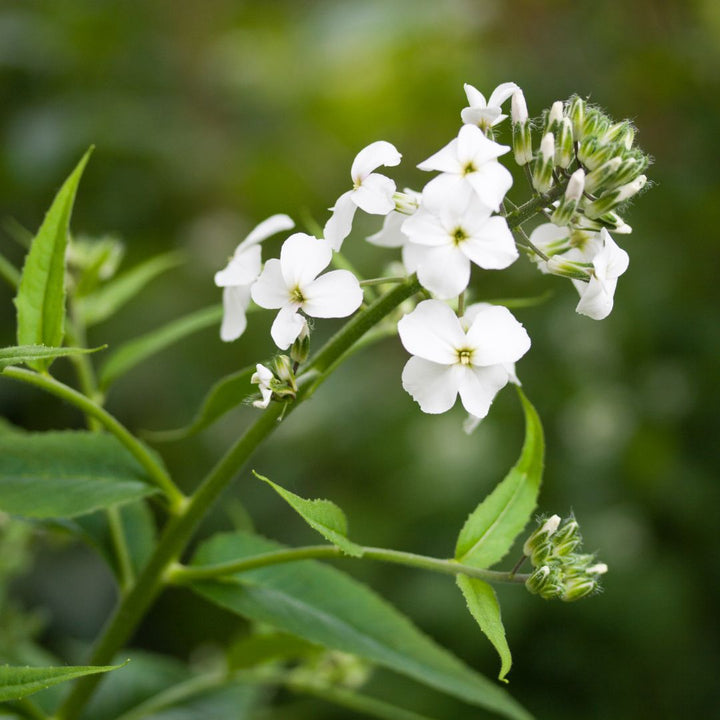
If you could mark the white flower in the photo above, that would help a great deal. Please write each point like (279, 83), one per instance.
(391, 235)
(262, 377)
(371, 191)
(570, 244)
(461, 231)
(241, 272)
(448, 360)
(596, 296)
(468, 164)
(292, 284)
(486, 114)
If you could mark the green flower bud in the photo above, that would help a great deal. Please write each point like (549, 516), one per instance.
(613, 198)
(542, 175)
(576, 113)
(578, 588)
(622, 133)
(600, 177)
(283, 369)
(301, 347)
(556, 265)
(567, 206)
(541, 535)
(554, 117)
(564, 149)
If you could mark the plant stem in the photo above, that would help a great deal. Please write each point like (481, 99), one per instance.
(181, 526)
(155, 470)
(180, 574)
(382, 281)
(119, 542)
(527, 210)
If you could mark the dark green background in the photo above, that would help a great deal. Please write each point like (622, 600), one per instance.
(210, 116)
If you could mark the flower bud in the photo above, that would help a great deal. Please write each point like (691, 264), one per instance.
(564, 149)
(541, 534)
(283, 369)
(613, 198)
(301, 347)
(545, 581)
(578, 588)
(565, 210)
(518, 107)
(576, 113)
(555, 116)
(556, 265)
(600, 176)
(622, 133)
(597, 569)
(593, 154)
(542, 175)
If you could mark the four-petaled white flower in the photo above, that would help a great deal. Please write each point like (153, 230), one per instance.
(371, 191)
(241, 272)
(449, 361)
(468, 164)
(292, 284)
(262, 377)
(596, 296)
(484, 113)
(444, 242)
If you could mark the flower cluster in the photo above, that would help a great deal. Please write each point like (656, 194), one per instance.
(561, 571)
(458, 223)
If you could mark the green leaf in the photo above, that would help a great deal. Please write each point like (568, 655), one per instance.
(141, 348)
(63, 474)
(267, 646)
(321, 515)
(27, 353)
(484, 607)
(40, 300)
(224, 395)
(489, 532)
(326, 606)
(107, 300)
(19, 682)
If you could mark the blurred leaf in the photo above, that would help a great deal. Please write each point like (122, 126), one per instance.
(325, 606)
(9, 273)
(107, 300)
(40, 300)
(18, 232)
(62, 474)
(489, 532)
(140, 534)
(19, 682)
(224, 395)
(484, 607)
(28, 353)
(321, 515)
(263, 647)
(143, 347)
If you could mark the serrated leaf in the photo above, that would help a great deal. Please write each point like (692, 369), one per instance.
(27, 353)
(19, 682)
(134, 352)
(63, 474)
(321, 515)
(107, 300)
(489, 532)
(326, 606)
(40, 300)
(224, 395)
(484, 607)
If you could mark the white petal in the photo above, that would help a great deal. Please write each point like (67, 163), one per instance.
(335, 294)
(548, 235)
(491, 181)
(243, 268)
(235, 302)
(445, 189)
(412, 256)
(372, 157)
(425, 228)
(612, 261)
(271, 291)
(474, 146)
(596, 300)
(286, 327)
(375, 195)
(492, 246)
(274, 224)
(434, 387)
(501, 93)
(474, 96)
(445, 160)
(481, 116)
(339, 225)
(497, 337)
(444, 271)
(302, 258)
(390, 235)
(478, 388)
(432, 331)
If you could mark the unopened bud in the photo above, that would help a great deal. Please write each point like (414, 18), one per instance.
(543, 169)
(597, 569)
(576, 113)
(283, 369)
(301, 347)
(518, 107)
(556, 265)
(600, 176)
(555, 116)
(622, 133)
(564, 150)
(576, 589)
(593, 154)
(541, 535)
(564, 212)
(576, 185)
(613, 198)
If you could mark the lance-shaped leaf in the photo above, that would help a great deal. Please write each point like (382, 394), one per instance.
(489, 532)
(327, 607)
(321, 515)
(19, 682)
(143, 347)
(63, 474)
(40, 300)
(107, 300)
(28, 353)
(224, 395)
(484, 607)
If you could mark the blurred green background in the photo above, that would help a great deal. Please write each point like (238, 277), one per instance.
(210, 116)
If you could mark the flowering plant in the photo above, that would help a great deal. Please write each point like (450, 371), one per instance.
(315, 629)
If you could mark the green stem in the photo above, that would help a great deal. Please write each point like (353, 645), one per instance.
(179, 574)
(383, 281)
(119, 541)
(181, 527)
(527, 210)
(156, 472)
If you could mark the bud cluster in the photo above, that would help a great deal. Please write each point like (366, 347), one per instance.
(561, 571)
(276, 384)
